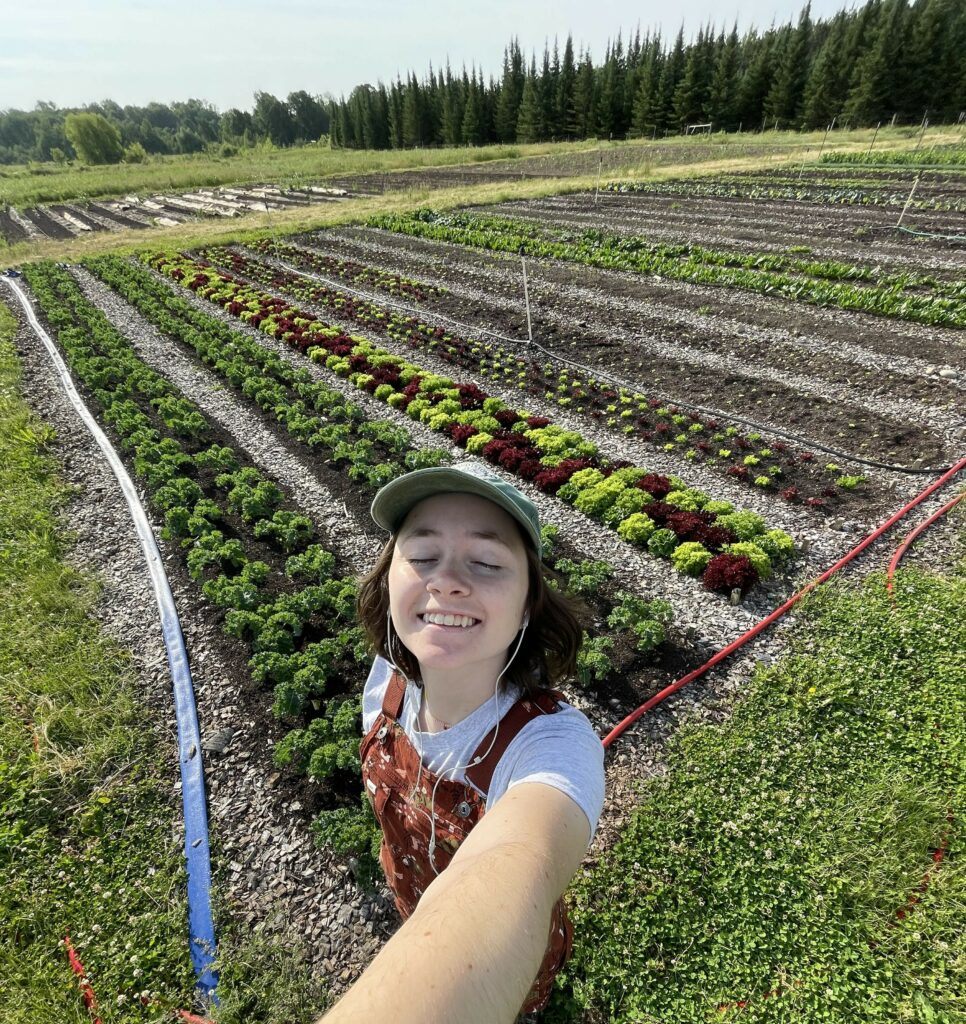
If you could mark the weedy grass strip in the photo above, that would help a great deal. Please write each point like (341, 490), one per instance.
(777, 850)
(86, 807)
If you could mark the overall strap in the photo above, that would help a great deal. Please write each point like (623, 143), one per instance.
(392, 702)
(523, 711)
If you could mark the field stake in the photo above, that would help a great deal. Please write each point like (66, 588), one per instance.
(600, 164)
(912, 192)
(872, 143)
(526, 297)
(925, 125)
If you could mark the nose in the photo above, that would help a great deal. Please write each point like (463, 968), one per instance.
(447, 579)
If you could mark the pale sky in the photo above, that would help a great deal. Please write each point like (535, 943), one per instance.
(73, 52)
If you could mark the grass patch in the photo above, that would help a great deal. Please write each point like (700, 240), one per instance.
(778, 849)
(86, 801)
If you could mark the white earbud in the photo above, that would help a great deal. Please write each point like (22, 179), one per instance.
(526, 620)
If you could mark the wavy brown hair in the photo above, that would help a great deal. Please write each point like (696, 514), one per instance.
(548, 652)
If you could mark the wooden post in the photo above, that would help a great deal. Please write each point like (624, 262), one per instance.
(925, 125)
(912, 192)
(526, 296)
(600, 164)
(872, 143)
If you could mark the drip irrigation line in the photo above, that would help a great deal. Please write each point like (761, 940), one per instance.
(620, 382)
(200, 922)
(931, 234)
(725, 652)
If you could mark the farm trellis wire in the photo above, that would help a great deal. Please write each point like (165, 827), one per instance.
(527, 345)
(189, 747)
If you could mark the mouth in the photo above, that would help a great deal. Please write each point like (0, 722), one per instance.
(450, 622)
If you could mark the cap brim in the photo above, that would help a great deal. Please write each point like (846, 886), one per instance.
(394, 501)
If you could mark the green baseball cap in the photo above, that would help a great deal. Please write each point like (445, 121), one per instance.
(393, 502)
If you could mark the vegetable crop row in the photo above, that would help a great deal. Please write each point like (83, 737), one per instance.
(730, 550)
(211, 340)
(748, 459)
(351, 271)
(837, 192)
(952, 155)
(820, 283)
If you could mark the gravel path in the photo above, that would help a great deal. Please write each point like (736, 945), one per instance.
(339, 531)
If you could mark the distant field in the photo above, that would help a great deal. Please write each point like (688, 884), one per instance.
(37, 183)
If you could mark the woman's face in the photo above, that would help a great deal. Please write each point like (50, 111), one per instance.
(462, 556)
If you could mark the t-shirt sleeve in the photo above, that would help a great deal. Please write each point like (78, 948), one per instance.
(374, 691)
(563, 751)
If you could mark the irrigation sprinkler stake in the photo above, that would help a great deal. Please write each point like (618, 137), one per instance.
(526, 296)
(912, 192)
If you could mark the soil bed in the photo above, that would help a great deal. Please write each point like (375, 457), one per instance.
(569, 325)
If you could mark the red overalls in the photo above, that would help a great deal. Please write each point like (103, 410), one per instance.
(390, 765)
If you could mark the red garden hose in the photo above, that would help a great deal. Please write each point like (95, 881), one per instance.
(779, 612)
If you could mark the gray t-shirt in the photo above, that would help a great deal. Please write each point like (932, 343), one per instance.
(561, 750)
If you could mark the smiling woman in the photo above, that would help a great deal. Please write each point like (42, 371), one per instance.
(501, 785)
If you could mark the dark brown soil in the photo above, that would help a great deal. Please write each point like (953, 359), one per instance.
(10, 229)
(743, 395)
(47, 224)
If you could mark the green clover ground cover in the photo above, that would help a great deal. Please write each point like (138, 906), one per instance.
(778, 849)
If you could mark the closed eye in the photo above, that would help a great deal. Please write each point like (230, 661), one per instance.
(426, 561)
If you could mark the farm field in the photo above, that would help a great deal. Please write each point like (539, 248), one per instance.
(69, 220)
(730, 383)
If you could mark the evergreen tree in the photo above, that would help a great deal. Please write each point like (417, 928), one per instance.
(507, 110)
(412, 114)
(755, 81)
(873, 94)
(934, 71)
(547, 93)
(530, 119)
(671, 71)
(691, 94)
(827, 82)
(453, 110)
(565, 114)
(473, 123)
(786, 95)
(585, 99)
(646, 109)
(722, 99)
(396, 114)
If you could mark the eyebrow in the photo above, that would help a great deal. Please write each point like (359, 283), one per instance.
(426, 531)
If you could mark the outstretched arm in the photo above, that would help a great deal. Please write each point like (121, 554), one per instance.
(473, 946)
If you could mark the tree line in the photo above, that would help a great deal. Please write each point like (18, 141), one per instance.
(107, 132)
(884, 59)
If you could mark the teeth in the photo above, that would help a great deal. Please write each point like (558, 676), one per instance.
(449, 620)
